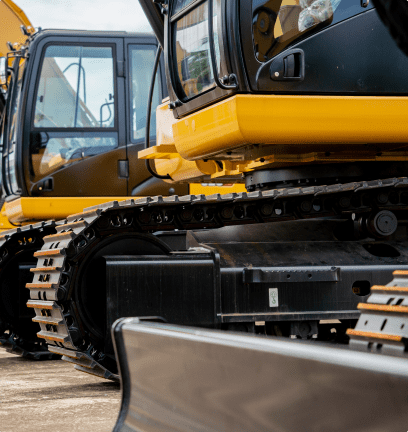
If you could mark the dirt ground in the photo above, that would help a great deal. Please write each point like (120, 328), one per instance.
(52, 396)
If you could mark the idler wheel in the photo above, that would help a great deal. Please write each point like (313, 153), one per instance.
(383, 224)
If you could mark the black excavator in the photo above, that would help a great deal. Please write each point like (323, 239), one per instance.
(304, 102)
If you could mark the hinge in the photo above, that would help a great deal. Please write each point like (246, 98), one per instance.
(121, 68)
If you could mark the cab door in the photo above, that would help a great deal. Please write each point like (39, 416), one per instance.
(76, 141)
(140, 55)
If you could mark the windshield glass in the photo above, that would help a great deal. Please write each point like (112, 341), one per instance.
(192, 49)
(277, 23)
(49, 153)
(76, 88)
(141, 66)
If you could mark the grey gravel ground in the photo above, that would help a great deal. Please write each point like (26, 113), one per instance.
(52, 396)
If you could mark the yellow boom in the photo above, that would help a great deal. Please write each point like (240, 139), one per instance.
(11, 18)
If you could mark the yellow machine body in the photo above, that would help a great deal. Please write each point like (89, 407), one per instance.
(12, 17)
(28, 209)
(248, 132)
(4, 221)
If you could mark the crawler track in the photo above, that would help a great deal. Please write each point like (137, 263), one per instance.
(17, 333)
(383, 324)
(52, 293)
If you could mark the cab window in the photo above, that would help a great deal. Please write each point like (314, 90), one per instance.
(75, 107)
(141, 66)
(277, 24)
(76, 88)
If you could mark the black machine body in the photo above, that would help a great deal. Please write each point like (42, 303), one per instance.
(274, 47)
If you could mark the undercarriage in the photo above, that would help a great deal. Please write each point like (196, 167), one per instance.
(291, 262)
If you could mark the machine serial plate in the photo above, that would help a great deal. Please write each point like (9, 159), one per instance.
(273, 297)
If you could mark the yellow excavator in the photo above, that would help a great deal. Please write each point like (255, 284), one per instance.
(67, 143)
(304, 102)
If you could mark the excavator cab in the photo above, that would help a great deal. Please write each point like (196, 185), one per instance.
(268, 46)
(75, 118)
(285, 85)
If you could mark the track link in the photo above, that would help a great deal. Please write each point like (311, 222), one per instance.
(383, 324)
(84, 362)
(52, 289)
(13, 244)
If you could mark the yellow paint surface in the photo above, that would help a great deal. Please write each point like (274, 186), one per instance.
(38, 209)
(11, 18)
(272, 120)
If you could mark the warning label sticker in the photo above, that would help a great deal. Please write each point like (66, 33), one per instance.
(273, 297)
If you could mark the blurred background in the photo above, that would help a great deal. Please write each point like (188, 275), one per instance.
(126, 15)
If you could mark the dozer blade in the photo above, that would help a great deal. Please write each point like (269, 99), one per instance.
(185, 379)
